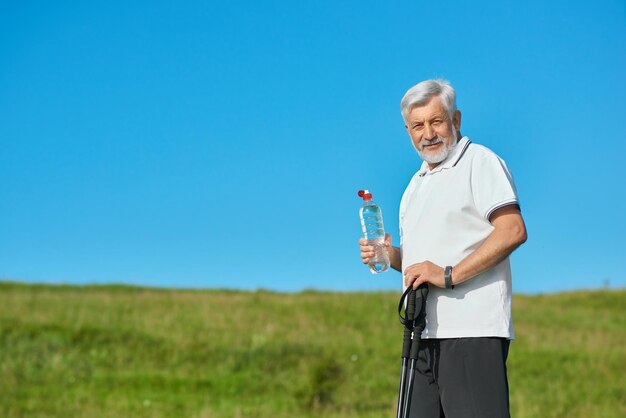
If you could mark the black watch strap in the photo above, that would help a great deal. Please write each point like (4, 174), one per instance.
(447, 275)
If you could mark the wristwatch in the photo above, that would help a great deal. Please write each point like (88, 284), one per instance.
(447, 276)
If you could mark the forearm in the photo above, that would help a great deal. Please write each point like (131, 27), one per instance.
(395, 258)
(498, 245)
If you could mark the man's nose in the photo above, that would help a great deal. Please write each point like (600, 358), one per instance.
(429, 132)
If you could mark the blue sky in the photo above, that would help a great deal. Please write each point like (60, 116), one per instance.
(205, 144)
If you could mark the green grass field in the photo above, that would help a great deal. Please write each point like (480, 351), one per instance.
(118, 351)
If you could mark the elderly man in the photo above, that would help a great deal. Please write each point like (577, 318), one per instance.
(459, 221)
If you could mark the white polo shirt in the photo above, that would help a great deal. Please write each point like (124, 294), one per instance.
(444, 217)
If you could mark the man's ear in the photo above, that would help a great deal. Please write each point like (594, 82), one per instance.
(456, 120)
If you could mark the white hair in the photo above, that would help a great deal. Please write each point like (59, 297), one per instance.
(421, 93)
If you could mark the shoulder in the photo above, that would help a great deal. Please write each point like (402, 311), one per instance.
(478, 155)
(480, 151)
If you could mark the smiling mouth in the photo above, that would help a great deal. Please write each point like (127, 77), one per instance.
(426, 146)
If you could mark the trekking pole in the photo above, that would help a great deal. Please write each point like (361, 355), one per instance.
(407, 321)
(414, 324)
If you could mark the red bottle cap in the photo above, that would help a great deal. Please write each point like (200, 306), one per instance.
(365, 194)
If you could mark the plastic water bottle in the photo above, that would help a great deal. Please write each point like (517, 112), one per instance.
(374, 232)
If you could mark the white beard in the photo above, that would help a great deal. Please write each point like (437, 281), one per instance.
(448, 146)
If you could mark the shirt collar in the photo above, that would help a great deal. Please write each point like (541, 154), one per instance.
(451, 160)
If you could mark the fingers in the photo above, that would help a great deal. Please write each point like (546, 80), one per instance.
(366, 256)
(413, 281)
(365, 246)
(408, 277)
(409, 280)
(367, 251)
(413, 275)
(425, 272)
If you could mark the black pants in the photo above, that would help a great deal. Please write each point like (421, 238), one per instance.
(461, 378)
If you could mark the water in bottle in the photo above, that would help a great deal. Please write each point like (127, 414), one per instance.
(374, 232)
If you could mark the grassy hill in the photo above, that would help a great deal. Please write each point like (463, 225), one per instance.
(115, 351)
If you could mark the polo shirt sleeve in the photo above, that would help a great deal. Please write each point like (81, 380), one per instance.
(492, 184)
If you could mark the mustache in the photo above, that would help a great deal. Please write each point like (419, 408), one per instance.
(434, 141)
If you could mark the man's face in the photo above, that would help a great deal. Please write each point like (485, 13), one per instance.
(432, 132)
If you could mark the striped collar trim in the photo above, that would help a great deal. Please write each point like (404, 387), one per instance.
(453, 159)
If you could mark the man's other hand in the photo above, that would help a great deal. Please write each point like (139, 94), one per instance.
(425, 272)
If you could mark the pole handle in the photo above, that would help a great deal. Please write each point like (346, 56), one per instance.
(409, 317)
